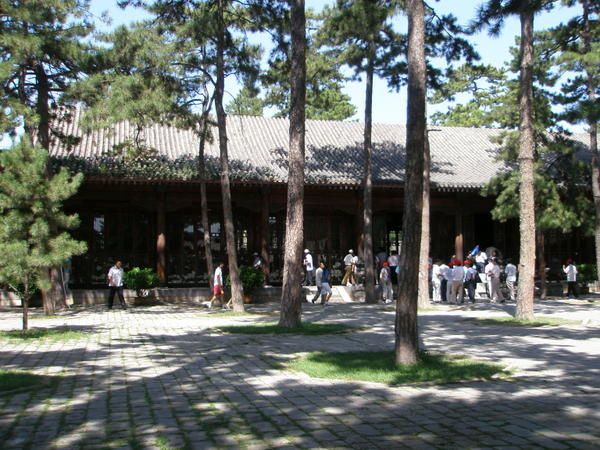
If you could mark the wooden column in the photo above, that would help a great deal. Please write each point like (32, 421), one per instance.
(458, 231)
(161, 239)
(264, 231)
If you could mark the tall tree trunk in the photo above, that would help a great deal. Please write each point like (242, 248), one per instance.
(52, 297)
(424, 300)
(541, 249)
(370, 296)
(210, 267)
(291, 292)
(407, 334)
(526, 165)
(236, 284)
(25, 301)
(593, 125)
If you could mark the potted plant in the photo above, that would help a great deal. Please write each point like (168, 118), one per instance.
(141, 280)
(251, 278)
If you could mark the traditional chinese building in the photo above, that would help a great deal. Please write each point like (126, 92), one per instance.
(141, 203)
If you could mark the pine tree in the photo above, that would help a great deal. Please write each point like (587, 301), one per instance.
(42, 51)
(493, 14)
(291, 302)
(579, 43)
(406, 326)
(246, 103)
(32, 222)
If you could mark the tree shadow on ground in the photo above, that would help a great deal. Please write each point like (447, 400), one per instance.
(203, 389)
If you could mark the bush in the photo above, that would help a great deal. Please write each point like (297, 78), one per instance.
(138, 278)
(586, 273)
(251, 278)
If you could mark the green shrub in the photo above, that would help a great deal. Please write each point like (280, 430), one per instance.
(138, 278)
(251, 278)
(586, 273)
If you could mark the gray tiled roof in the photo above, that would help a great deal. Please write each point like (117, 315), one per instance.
(462, 158)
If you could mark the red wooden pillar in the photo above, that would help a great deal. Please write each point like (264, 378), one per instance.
(161, 240)
(264, 231)
(458, 231)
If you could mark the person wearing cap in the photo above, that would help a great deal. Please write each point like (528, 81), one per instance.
(385, 279)
(444, 271)
(571, 272)
(308, 268)
(349, 268)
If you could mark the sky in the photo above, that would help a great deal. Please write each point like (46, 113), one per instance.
(389, 107)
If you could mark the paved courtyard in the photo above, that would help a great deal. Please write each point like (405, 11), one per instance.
(162, 377)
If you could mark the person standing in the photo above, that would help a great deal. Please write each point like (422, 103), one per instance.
(115, 284)
(326, 291)
(436, 281)
(393, 261)
(471, 279)
(458, 279)
(218, 291)
(380, 258)
(481, 261)
(492, 271)
(308, 268)
(348, 268)
(444, 270)
(385, 280)
(319, 280)
(511, 278)
(571, 272)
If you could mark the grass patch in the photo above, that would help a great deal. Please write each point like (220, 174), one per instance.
(307, 329)
(163, 444)
(46, 334)
(379, 367)
(512, 322)
(11, 380)
(44, 317)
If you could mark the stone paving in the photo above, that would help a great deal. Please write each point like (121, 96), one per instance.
(162, 377)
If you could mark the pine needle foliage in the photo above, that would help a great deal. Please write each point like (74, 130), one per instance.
(33, 225)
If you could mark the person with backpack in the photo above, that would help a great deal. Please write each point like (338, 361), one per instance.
(326, 291)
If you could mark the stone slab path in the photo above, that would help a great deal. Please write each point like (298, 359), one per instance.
(163, 378)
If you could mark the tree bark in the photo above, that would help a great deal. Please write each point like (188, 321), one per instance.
(527, 224)
(370, 296)
(161, 240)
(424, 300)
(406, 326)
(206, 107)
(236, 285)
(25, 301)
(291, 292)
(541, 249)
(593, 125)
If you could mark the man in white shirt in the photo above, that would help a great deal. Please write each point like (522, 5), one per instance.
(436, 281)
(571, 272)
(217, 290)
(393, 261)
(444, 271)
(492, 271)
(480, 261)
(308, 268)
(511, 278)
(471, 280)
(457, 276)
(349, 268)
(115, 284)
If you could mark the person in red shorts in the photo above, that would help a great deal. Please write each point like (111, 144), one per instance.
(218, 285)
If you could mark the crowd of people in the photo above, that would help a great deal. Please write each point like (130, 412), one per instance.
(453, 282)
